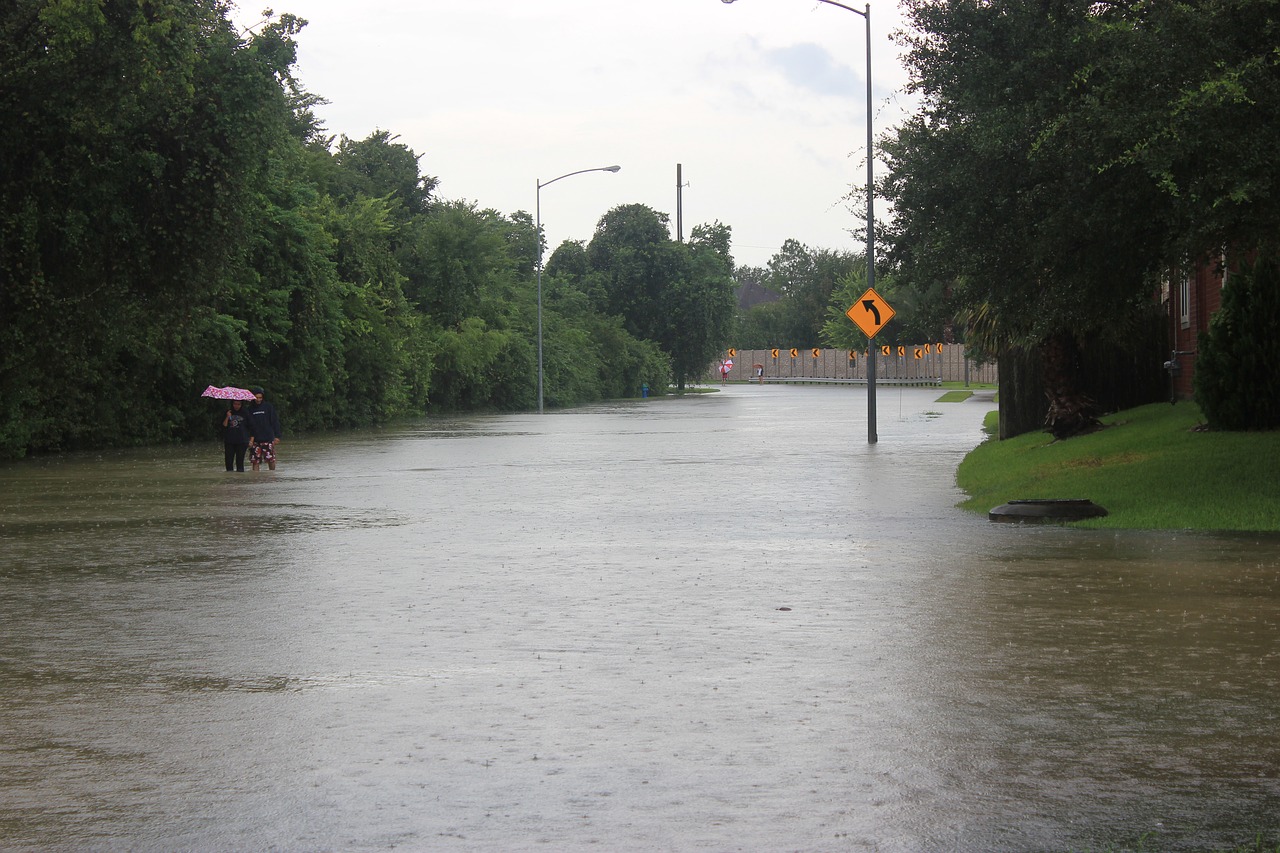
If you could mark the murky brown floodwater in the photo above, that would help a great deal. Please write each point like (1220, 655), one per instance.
(723, 623)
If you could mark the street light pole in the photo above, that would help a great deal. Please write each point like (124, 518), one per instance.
(538, 214)
(871, 222)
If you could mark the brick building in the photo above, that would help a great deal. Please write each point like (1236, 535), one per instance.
(1191, 298)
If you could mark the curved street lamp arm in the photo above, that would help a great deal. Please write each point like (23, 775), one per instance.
(866, 14)
(542, 184)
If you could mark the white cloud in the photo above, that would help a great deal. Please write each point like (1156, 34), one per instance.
(808, 66)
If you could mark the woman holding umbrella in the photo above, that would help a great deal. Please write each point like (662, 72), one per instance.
(235, 435)
(235, 425)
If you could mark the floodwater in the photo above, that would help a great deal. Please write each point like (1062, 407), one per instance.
(723, 622)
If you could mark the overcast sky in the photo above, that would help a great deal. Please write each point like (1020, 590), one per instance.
(763, 102)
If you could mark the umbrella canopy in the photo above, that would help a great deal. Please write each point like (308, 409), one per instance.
(228, 393)
(727, 364)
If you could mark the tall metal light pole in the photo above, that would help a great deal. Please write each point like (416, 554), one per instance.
(538, 208)
(871, 222)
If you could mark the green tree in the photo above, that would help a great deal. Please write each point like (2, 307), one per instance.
(569, 261)
(677, 295)
(137, 136)
(380, 167)
(838, 330)
(450, 257)
(466, 277)
(1006, 188)
(289, 295)
(807, 280)
(631, 262)
(385, 373)
(794, 271)
(762, 326)
(603, 360)
(1192, 93)
(918, 317)
(699, 305)
(522, 239)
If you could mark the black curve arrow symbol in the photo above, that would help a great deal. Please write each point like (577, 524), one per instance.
(870, 305)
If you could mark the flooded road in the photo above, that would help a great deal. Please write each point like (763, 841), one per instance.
(715, 623)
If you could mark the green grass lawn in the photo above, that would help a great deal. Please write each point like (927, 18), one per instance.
(1149, 468)
(970, 386)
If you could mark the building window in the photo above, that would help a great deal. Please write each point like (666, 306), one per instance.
(1184, 300)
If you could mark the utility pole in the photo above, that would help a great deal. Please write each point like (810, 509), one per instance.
(680, 185)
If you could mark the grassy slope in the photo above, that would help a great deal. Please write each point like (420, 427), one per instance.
(1147, 468)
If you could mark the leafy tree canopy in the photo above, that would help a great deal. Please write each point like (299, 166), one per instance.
(381, 167)
(679, 295)
(1066, 151)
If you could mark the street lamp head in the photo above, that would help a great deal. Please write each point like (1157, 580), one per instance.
(726, 1)
(617, 168)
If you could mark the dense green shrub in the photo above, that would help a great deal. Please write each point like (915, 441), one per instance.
(1235, 382)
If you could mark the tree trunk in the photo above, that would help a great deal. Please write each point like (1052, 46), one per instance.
(1022, 401)
(1071, 411)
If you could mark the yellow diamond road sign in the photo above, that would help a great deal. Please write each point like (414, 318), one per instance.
(870, 313)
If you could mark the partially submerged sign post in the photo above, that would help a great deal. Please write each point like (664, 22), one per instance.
(870, 314)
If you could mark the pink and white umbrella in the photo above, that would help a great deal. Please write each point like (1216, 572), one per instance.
(727, 364)
(228, 393)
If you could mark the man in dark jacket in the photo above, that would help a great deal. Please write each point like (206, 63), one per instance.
(264, 431)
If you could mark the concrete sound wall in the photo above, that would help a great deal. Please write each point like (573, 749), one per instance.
(919, 364)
